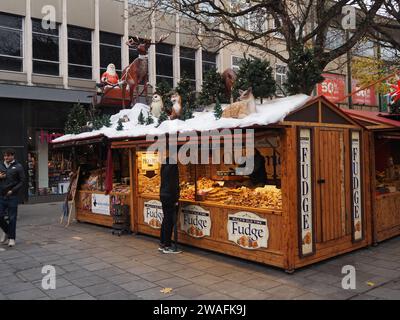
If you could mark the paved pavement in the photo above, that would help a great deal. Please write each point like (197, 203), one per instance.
(93, 264)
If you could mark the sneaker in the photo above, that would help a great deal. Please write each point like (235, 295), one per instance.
(11, 243)
(171, 250)
(4, 239)
(161, 248)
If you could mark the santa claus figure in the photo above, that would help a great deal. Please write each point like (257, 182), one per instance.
(110, 77)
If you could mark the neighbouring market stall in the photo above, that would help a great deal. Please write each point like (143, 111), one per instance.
(385, 171)
(315, 204)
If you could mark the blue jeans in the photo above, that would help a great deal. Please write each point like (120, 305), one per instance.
(9, 208)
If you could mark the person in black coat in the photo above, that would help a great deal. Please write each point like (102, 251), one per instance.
(12, 179)
(169, 197)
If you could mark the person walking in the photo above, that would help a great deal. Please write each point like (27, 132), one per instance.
(12, 179)
(169, 197)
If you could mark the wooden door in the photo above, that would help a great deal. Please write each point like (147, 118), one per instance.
(330, 184)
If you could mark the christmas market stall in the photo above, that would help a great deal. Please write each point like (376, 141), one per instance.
(311, 202)
(103, 181)
(385, 171)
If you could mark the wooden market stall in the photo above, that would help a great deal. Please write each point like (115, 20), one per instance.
(93, 204)
(385, 171)
(315, 204)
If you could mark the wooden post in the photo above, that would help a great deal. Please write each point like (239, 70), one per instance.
(289, 197)
(133, 187)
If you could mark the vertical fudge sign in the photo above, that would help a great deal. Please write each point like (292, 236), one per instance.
(306, 208)
(356, 186)
(153, 214)
(248, 230)
(195, 221)
(101, 204)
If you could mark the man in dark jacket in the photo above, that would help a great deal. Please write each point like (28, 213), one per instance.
(12, 179)
(169, 197)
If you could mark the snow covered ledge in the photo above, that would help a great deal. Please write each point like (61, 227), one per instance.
(271, 111)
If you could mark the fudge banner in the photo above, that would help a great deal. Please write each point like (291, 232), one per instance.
(195, 221)
(306, 200)
(153, 214)
(248, 230)
(356, 186)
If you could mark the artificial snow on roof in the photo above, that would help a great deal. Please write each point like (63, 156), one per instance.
(272, 111)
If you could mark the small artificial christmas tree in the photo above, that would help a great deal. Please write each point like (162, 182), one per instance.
(149, 119)
(256, 74)
(304, 71)
(77, 119)
(120, 126)
(186, 89)
(101, 121)
(213, 89)
(141, 119)
(163, 117)
(164, 90)
(218, 110)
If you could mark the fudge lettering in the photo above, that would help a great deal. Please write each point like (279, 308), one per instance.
(195, 221)
(153, 214)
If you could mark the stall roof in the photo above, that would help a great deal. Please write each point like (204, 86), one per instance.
(374, 120)
(270, 112)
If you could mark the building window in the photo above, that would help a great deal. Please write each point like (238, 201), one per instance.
(11, 43)
(110, 51)
(164, 63)
(188, 64)
(280, 78)
(79, 53)
(334, 38)
(46, 50)
(236, 63)
(209, 61)
(365, 48)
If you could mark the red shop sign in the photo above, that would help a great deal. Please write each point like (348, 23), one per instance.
(365, 97)
(333, 87)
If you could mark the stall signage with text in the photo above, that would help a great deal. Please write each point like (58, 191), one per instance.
(248, 230)
(356, 186)
(333, 87)
(101, 204)
(306, 201)
(195, 221)
(364, 97)
(153, 214)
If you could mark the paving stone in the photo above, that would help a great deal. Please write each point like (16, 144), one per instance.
(101, 289)
(109, 272)
(173, 282)
(206, 280)
(310, 296)
(123, 278)
(238, 276)
(364, 297)
(385, 293)
(138, 285)
(86, 261)
(64, 292)
(118, 295)
(156, 276)
(139, 270)
(285, 292)
(88, 281)
(14, 287)
(262, 284)
(153, 294)
(192, 291)
(189, 273)
(31, 294)
(83, 296)
(97, 266)
(213, 296)
(325, 278)
(76, 274)
(249, 294)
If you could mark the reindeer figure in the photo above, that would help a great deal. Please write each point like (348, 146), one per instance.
(137, 71)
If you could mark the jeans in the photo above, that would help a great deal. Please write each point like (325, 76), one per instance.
(9, 208)
(169, 211)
